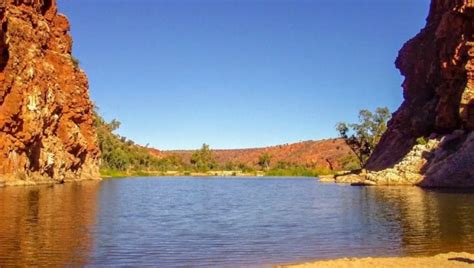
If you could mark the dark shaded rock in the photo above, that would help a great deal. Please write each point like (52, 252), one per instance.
(438, 65)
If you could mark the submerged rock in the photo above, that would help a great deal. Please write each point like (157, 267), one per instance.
(46, 116)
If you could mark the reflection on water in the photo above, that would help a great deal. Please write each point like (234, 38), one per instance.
(47, 225)
(226, 222)
(430, 221)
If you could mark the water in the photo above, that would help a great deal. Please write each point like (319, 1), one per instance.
(238, 222)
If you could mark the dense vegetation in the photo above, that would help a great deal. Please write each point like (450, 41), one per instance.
(203, 160)
(362, 137)
(264, 161)
(122, 157)
(291, 169)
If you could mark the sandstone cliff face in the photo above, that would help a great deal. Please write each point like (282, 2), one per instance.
(46, 119)
(438, 65)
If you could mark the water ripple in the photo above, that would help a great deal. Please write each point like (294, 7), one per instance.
(238, 222)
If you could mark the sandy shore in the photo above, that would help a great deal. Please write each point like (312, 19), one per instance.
(443, 260)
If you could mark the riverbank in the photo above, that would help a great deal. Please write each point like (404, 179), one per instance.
(27, 182)
(216, 173)
(120, 174)
(449, 260)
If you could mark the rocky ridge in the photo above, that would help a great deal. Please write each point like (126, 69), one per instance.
(329, 154)
(438, 65)
(47, 130)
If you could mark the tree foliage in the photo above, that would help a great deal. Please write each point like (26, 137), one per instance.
(203, 160)
(362, 137)
(292, 169)
(121, 154)
(264, 161)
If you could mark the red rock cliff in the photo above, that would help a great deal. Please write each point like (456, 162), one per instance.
(46, 119)
(438, 65)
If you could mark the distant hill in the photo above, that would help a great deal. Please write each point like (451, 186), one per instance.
(333, 154)
(121, 156)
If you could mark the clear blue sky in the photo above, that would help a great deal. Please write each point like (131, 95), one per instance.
(240, 73)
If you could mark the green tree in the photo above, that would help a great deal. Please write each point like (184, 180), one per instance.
(264, 161)
(75, 61)
(245, 168)
(203, 160)
(230, 166)
(114, 125)
(120, 155)
(362, 137)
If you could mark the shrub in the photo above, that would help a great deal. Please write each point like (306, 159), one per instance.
(421, 141)
(203, 160)
(120, 157)
(264, 161)
(75, 61)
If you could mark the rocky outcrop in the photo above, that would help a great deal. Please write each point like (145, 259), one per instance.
(46, 117)
(438, 65)
(408, 170)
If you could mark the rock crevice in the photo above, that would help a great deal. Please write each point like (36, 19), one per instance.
(46, 117)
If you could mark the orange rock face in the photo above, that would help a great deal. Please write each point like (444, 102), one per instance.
(438, 65)
(46, 121)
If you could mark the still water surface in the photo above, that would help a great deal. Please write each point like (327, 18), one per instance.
(238, 222)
